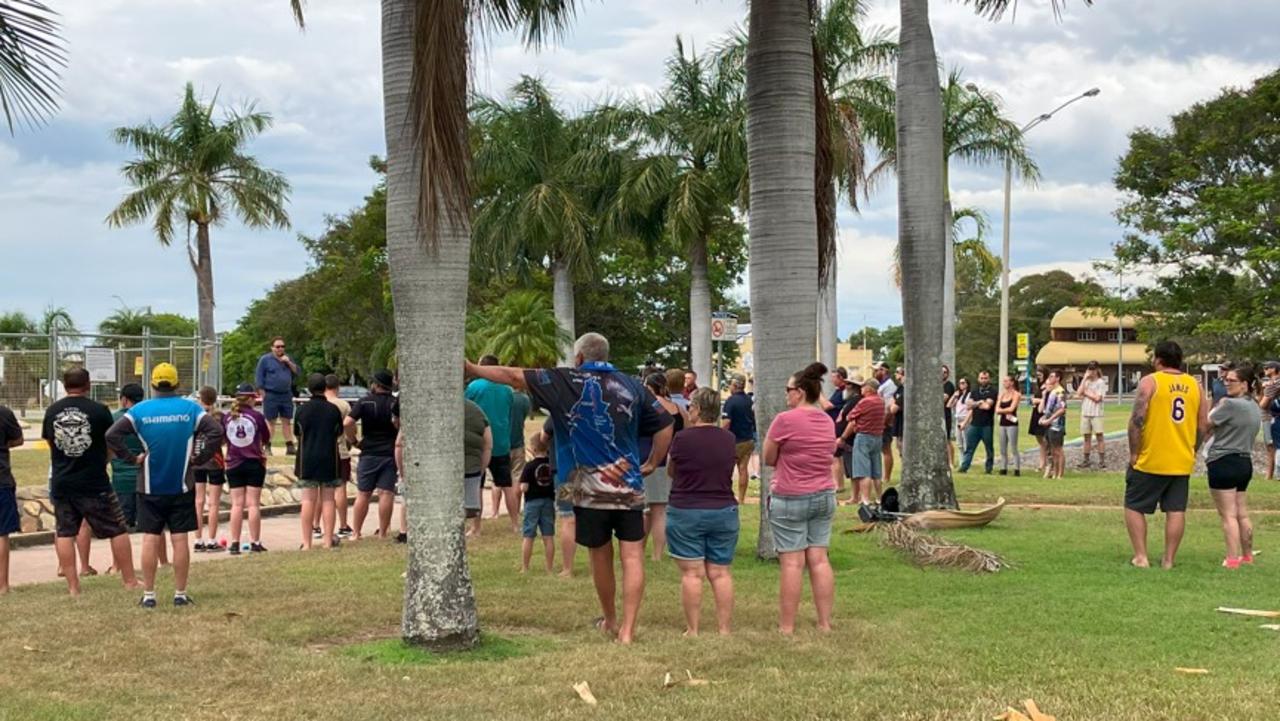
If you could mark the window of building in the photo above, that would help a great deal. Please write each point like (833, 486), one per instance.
(1113, 336)
(1086, 335)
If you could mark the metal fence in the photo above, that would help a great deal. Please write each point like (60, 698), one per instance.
(31, 365)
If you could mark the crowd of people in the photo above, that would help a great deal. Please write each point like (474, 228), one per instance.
(656, 460)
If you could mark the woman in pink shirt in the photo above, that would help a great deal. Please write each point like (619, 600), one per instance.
(802, 497)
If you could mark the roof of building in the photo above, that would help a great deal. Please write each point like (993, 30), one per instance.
(1072, 317)
(1069, 353)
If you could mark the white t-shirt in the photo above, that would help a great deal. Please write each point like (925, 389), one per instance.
(1098, 387)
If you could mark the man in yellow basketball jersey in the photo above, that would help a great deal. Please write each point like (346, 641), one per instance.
(1165, 430)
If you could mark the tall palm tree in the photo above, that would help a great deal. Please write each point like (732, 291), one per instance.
(425, 51)
(194, 171)
(690, 175)
(783, 221)
(926, 477)
(536, 173)
(31, 60)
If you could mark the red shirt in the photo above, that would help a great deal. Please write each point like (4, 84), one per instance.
(868, 416)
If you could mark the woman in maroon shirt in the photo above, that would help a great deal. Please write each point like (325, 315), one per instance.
(702, 513)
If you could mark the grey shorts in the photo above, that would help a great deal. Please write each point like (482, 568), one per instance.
(657, 486)
(471, 501)
(800, 522)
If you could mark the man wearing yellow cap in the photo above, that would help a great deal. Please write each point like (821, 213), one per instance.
(177, 435)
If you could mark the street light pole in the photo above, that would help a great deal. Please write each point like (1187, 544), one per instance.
(1004, 251)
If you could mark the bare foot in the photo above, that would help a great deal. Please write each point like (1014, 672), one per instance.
(824, 628)
(566, 573)
(725, 632)
(690, 633)
(4, 590)
(1166, 565)
(788, 632)
(1137, 562)
(625, 639)
(524, 569)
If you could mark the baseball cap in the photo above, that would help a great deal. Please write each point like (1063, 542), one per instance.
(384, 379)
(1272, 365)
(164, 376)
(881, 366)
(132, 391)
(246, 389)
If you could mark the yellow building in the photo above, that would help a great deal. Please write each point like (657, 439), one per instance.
(1080, 335)
(855, 360)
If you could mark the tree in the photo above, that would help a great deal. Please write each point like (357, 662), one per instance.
(425, 50)
(690, 175)
(783, 221)
(1034, 300)
(194, 171)
(1202, 202)
(537, 173)
(16, 322)
(522, 331)
(126, 321)
(31, 60)
(921, 235)
(885, 344)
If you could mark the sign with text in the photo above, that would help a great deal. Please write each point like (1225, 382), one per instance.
(724, 327)
(1024, 346)
(101, 364)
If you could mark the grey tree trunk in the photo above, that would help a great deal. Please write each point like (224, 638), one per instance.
(926, 476)
(949, 290)
(699, 312)
(783, 223)
(202, 264)
(429, 290)
(828, 320)
(562, 303)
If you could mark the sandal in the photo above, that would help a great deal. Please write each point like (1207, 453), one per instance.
(599, 624)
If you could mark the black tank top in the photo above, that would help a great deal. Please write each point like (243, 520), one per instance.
(1003, 408)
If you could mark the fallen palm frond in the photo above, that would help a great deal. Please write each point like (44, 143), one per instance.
(929, 550)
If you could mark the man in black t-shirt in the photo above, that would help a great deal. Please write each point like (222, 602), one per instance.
(10, 437)
(75, 429)
(318, 428)
(948, 390)
(379, 417)
(982, 404)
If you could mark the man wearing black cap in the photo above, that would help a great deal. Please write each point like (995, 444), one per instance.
(378, 414)
(124, 476)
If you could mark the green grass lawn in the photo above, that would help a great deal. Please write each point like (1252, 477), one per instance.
(1089, 489)
(1071, 626)
(1115, 418)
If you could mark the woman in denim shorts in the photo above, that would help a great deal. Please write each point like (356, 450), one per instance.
(702, 514)
(802, 500)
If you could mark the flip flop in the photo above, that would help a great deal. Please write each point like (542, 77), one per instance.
(599, 624)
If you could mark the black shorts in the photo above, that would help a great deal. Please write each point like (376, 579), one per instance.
(344, 470)
(886, 439)
(596, 527)
(1143, 491)
(248, 474)
(9, 521)
(175, 514)
(1230, 473)
(1055, 437)
(500, 471)
(216, 476)
(100, 510)
(376, 472)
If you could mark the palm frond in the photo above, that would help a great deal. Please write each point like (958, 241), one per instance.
(995, 9)
(925, 549)
(438, 102)
(32, 56)
(297, 7)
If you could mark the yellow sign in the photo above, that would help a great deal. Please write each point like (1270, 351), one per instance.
(1024, 343)
(137, 366)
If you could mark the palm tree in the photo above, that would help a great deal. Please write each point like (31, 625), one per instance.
(425, 50)
(539, 199)
(31, 60)
(692, 172)
(926, 477)
(783, 221)
(522, 331)
(194, 171)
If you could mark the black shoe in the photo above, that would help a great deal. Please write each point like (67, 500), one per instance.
(290, 449)
(334, 542)
(233, 548)
(181, 601)
(316, 533)
(1004, 471)
(402, 538)
(345, 532)
(213, 547)
(147, 602)
(1017, 472)
(257, 548)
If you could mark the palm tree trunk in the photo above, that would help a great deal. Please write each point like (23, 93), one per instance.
(926, 477)
(828, 320)
(699, 312)
(783, 223)
(563, 303)
(204, 281)
(429, 289)
(949, 290)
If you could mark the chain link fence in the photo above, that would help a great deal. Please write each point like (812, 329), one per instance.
(31, 365)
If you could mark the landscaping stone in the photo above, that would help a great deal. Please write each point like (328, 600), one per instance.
(47, 522)
(29, 524)
(296, 493)
(32, 508)
(282, 495)
(46, 504)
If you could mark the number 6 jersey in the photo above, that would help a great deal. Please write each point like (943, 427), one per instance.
(1169, 434)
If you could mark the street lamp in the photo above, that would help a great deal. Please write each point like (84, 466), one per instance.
(1004, 251)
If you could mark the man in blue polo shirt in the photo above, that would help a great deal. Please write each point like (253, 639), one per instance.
(274, 378)
(176, 436)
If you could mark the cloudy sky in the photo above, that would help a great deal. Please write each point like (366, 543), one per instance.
(130, 59)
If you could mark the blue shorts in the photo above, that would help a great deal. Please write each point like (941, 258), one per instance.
(868, 461)
(696, 534)
(9, 511)
(539, 517)
(277, 405)
(376, 472)
(802, 522)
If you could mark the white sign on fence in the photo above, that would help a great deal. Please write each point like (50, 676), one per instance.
(101, 364)
(724, 328)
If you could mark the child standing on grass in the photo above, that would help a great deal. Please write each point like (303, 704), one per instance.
(538, 487)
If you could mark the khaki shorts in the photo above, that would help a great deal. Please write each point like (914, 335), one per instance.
(744, 449)
(1090, 425)
(517, 463)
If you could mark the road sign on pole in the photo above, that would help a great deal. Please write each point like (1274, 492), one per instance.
(1024, 346)
(724, 327)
